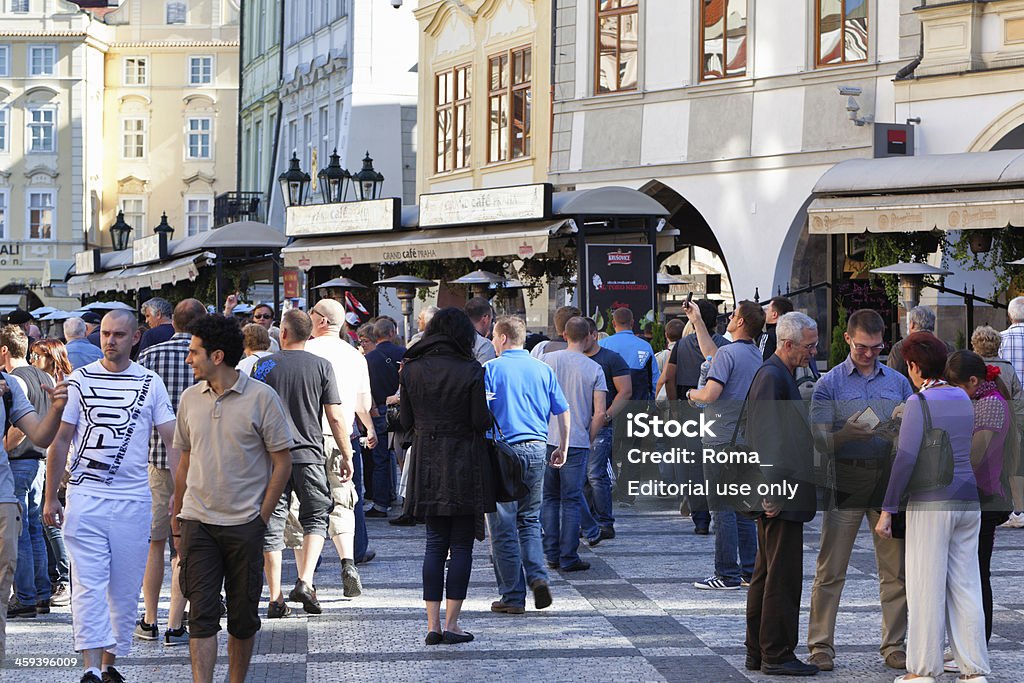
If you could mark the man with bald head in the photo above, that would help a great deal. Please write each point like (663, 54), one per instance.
(113, 406)
(166, 359)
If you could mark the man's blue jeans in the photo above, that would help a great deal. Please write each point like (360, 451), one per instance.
(31, 578)
(560, 511)
(735, 535)
(598, 486)
(361, 540)
(383, 466)
(514, 530)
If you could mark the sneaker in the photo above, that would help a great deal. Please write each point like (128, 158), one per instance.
(1016, 521)
(90, 677)
(112, 675)
(144, 631)
(352, 585)
(175, 636)
(505, 608)
(715, 583)
(949, 664)
(61, 596)
(43, 607)
(307, 596)
(16, 610)
(278, 610)
(607, 533)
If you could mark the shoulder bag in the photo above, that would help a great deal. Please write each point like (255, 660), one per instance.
(508, 468)
(934, 467)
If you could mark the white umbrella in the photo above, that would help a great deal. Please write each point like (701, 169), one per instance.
(42, 310)
(58, 315)
(107, 306)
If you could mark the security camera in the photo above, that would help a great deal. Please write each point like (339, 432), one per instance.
(396, 3)
(849, 90)
(852, 106)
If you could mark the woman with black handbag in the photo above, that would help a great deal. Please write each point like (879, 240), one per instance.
(943, 519)
(451, 484)
(992, 454)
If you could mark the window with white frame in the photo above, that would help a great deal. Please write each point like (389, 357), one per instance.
(199, 137)
(198, 214)
(176, 12)
(41, 60)
(42, 125)
(4, 135)
(40, 217)
(325, 135)
(200, 70)
(19, 6)
(3, 214)
(133, 138)
(257, 171)
(5, 60)
(136, 71)
(134, 209)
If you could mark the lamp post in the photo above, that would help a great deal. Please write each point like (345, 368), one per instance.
(336, 288)
(405, 287)
(368, 181)
(164, 227)
(911, 278)
(119, 232)
(294, 183)
(480, 282)
(334, 181)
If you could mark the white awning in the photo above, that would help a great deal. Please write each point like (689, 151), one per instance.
(981, 190)
(522, 240)
(153, 276)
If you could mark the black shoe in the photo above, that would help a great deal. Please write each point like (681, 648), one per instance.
(593, 542)
(752, 663)
(577, 566)
(433, 638)
(607, 533)
(370, 554)
(16, 610)
(702, 531)
(278, 610)
(552, 565)
(403, 520)
(90, 677)
(43, 607)
(541, 594)
(374, 513)
(793, 667)
(452, 638)
(112, 675)
(307, 596)
(351, 583)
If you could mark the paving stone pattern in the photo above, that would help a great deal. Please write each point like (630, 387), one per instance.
(633, 617)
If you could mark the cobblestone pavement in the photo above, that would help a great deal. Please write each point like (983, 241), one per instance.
(634, 616)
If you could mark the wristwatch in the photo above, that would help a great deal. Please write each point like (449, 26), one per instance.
(687, 395)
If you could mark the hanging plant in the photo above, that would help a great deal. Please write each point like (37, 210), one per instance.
(980, 241)
(1007, 244)
(885, 249)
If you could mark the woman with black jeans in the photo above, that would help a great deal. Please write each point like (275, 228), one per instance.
(445, 410)
(993, 422)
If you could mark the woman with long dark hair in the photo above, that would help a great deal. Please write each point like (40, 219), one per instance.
(992, 452)
(51, 356)
(445, 409)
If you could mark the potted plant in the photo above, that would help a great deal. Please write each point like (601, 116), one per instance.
(980, 241)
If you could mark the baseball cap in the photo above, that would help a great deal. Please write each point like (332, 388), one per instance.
(17, 317)
(91, 318)
(351, 318)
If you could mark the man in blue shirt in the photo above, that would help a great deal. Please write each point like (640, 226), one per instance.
(522, 393)
(844, 433)
(382, 364)
(637, 353)
(81, 351)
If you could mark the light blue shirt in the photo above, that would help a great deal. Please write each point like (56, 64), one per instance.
(637, 353)
(20, 407)
(81, 352)
(522, 393)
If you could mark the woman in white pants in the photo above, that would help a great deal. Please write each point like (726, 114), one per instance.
(942, 576)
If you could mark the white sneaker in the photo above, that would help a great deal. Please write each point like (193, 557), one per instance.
(1016, 521)
(916, 679)
(949, 664)
(976, 679)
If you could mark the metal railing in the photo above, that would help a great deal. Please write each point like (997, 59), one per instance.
(230, 207)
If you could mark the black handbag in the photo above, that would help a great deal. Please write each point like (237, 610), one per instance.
(508, 468)
(934, 467)
(393, 415)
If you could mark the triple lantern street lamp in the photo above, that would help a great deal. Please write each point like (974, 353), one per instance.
(334, 182)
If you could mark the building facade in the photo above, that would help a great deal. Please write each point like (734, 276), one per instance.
(170, 114)
(51, 104)
(260, 106)
(484, 89)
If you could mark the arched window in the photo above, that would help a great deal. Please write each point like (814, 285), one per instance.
(841, 31)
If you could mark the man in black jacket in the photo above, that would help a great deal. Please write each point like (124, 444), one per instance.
(778, 430)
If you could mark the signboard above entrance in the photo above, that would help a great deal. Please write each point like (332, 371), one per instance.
(495, 205)
(374, 215)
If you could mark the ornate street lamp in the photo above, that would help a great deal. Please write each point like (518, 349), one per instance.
(367, 182)
(336, 288)
(164, 228)
(911, 278)
(405, 287)
(333, 181)
(294, 183)
(119, 232)
(480, 282)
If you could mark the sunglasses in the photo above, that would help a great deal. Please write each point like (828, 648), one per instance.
(262, 316)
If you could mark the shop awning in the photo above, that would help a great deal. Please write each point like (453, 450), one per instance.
(153, 276)
(521, 240)
(977, 190)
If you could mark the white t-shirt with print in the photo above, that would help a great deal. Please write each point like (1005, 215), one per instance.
(113, 414)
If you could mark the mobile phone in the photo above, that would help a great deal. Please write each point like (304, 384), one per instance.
(689, 296)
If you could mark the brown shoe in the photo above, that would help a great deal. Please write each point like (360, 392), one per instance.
(896, 660)
(505, 608)
(822, 660)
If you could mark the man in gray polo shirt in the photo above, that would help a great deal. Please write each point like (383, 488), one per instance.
(235, 443)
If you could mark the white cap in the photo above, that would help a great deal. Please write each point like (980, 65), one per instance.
(351, 318)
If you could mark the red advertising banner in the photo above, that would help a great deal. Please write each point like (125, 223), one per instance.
(291, 283)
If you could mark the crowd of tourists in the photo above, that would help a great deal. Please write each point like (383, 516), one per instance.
(223, 439)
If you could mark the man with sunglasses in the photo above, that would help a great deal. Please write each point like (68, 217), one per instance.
(262, 315)
(844, 400)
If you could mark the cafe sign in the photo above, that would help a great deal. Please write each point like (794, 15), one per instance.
(87, 262)
(374, 215)
(495, 205)
(147, 249)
